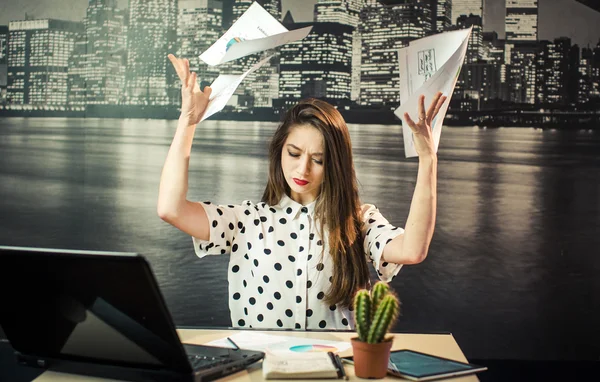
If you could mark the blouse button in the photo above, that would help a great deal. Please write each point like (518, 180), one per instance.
(304, 209)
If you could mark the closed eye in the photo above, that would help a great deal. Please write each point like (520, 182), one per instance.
(317, 161)
(293, 154)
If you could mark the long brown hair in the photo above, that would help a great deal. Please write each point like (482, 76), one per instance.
(338, 205)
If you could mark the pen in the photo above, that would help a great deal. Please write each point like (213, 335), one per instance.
(235, 347)
(339, 362)
(338, 365)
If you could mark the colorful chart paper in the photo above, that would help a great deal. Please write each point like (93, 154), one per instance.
(313, 348)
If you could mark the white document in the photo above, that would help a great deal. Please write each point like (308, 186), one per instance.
(280, 344)
(224, 86)
(429, 65)
(249, 340)
(255, 31)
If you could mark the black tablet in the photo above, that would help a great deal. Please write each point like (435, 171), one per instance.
(418, 366)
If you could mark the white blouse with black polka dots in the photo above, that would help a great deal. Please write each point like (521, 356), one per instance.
(277, 273)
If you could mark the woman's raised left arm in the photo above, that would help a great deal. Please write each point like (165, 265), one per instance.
(412, 246)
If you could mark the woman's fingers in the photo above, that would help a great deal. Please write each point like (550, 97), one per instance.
(422, 114)
(425, 118)
(438, 106)
(186, 72)
(178, 65)
(191, 82)
(431, 111)
(207, 91)
(411, 123)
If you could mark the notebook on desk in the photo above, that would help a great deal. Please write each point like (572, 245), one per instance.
(100, 314)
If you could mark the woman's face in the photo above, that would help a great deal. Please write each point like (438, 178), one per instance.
(302, 163)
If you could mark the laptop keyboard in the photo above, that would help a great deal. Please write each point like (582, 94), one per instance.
(200, 362)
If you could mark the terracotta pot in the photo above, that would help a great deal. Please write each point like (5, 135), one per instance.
(371, 360)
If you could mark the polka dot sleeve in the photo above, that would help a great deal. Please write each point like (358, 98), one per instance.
(379, 232)
(225, 224)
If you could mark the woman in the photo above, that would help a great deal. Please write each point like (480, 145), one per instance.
(297, 257)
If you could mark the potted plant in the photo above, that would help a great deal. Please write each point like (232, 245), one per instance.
(374, 314)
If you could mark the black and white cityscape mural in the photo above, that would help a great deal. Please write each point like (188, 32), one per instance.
(88, 109)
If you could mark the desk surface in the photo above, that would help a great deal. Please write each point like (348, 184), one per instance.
(442, 345)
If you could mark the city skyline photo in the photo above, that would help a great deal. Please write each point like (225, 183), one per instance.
(558, 18)
(500, 75)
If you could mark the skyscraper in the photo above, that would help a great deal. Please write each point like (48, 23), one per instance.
(466, 7)
(384, 29)
(152, 35)
(521, 20)
(77, 77)
(3, 43)
(553, 72)
(585, 76)
(493, 53)
(595, 75)
(239, 7)
(521, 48)
(443, 19)
(97, 69)
(38, 61)
(356, 64)
(318, 66)
(476, 77)
(3, 61)
(271, 6)
(522, 74)
(199, 26)
(345, 12)
(474, 49)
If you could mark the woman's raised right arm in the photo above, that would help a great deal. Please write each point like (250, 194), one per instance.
(173, 206)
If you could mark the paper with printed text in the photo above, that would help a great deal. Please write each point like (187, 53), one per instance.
(429, 65)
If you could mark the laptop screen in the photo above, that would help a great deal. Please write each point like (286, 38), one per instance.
(84, 305)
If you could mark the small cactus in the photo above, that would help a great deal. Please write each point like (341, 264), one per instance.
(380, 290)
(362, 306)
(375, 312)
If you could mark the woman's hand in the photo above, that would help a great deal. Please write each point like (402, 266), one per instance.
(422, 130)
(193, 100)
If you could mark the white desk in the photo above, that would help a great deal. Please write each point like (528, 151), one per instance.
(442, 345)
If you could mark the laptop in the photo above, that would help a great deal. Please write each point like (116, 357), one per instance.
(100, 314)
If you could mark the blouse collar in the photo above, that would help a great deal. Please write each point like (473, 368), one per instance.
(294, 209)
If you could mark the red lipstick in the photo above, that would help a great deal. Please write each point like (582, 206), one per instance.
(300, 182)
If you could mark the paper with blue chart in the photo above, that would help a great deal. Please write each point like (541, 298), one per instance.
(255, 31)
(426, 66)
(280, 344)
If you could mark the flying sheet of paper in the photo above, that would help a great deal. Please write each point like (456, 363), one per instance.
(279, 344)
(255, 31)
(224, 86)
(429, 65)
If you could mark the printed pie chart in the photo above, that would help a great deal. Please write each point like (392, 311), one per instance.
(313, 348)
(233, 41)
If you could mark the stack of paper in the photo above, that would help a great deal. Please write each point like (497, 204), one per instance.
(255, 31)
(429, 65)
